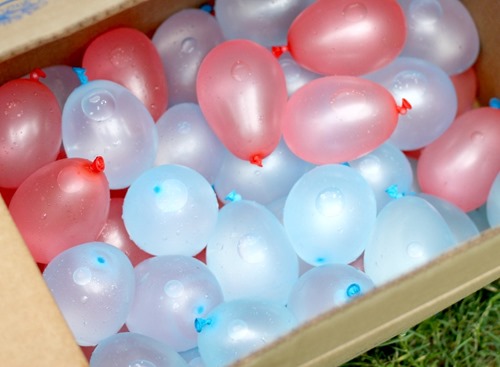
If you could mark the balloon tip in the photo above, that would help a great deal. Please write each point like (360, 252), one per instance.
(37, 73)
(279, 50)
(97, 165)
(405, 106)
(256, 159)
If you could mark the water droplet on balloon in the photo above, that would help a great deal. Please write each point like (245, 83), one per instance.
(13, 108)
(82, 275)
(120, 58)
(330, 202)
(369, 165)
(171, 195)
(240, 71)
(425, 12)
(477, 136)
(98, 105)
(84, 299)
(188, 45)
(183, 127)
(69, 180)
(355, 12)
(415, 250)
(237, 329)
(174, 288)
(252, 249)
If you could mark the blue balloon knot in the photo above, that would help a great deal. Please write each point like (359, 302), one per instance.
(233, 196)
(393, 192)
(207, 7)
(353, 290)
(495, 102)
(80, 72)
(346, 164)
(200, 323)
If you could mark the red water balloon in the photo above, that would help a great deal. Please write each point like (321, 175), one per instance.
(30, 128)
(61, 205)
(242, 92)
(466, 85)
(347, 37)
(128, 57)
(460, 166)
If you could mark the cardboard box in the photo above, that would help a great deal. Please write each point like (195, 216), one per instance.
(33, 332)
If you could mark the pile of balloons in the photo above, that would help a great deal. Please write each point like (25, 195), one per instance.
(195, 195)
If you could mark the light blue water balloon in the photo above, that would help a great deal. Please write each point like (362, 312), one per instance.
(238, 328)
(93, 285)
(409, 233)
(185, 138)
(251, 255)
(493, 203)
(170, 209)
(329, 215)
(171, 292)
(102, 118)
(480, 218)
(134, 350)
(295, 75)
(326, 287)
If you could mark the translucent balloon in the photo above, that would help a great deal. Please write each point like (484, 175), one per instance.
(186, 138)
(466, 85)
(128, 57)
(432, 97)
(250, 254)
(61, 80)
(325, 288)
(347, 37)
(409, 232)
(30, 129)
(384, 169)
(170, 210)
(171, 292)
(238, 328)
(279, 171)
(462, 164)
(493, 203)
(338, 118)
(242, 92)
(61, 205)
(134, 350)
(104, 118)
(461, 226)
(93, 286)
(442, 32)
(182, 41)
(329, 215)
(262, 21)
(295, 75)
(115, 233)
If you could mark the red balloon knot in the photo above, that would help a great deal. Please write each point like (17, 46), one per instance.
(256, 159)
(405, 106)
(37, 73)
(279, 50)
(97, 165)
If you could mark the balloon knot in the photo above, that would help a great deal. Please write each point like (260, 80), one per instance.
(200, 323)
(393, 192)
(353, 290)
(37, 73)
(345, 164)
(494, 102)
(97, 165)
(208, 8)
(233, 196)
(256, 159)
(405, 106)
(279, 50)
(80, 73)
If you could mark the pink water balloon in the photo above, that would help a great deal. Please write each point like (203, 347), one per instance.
(461, 165)
(242, 93)
(339, 118)
(347, 37)
(61, 205)
(30, 128)
(128, 57)
(466, 85)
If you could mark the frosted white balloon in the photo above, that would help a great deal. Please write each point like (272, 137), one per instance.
(185, 138)
(182, 41)
(326, 287)
(384, 169)
(442, 32)
(262, 21)
(431, 94)
(409, 232)
(250, 254)
(493, 203)
(279, 172)
(295, 75)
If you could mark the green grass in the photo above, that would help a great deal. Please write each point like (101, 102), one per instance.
(465, 334)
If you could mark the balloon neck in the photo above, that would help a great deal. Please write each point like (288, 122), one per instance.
(80, 73)
(256, 159)
(200, 323)
(233, 196)
(279, 50)
(36, 74)
(405, 106)
(97, 165)
(494, 103)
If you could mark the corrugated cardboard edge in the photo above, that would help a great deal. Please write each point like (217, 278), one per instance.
(342, 334)
(33, 332)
